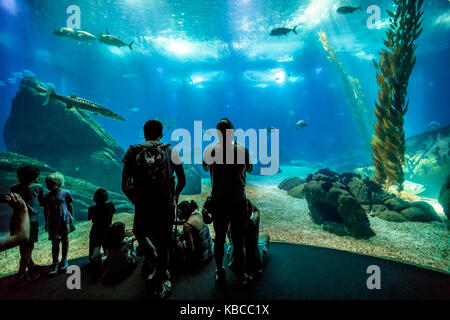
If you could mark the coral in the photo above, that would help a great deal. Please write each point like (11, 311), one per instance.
(352, 88)
(393, 72)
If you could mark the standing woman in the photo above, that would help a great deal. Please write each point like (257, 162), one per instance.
(58, 219)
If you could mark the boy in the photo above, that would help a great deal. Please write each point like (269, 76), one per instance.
(101, 216)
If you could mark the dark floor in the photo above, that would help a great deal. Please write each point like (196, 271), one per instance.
(292, 272)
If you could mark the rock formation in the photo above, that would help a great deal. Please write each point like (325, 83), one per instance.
(331, 204)
(373, 199)
(68, 140)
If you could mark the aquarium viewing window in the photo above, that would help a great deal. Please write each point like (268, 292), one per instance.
(224, 158)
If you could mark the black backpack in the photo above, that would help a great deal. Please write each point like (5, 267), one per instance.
(152, 165)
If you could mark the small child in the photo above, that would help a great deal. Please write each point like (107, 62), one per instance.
(121, 255)
(101, 215)
(33, 195)
(59, 219)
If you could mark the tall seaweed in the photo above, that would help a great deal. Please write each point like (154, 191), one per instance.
(353, 90)
(393, 71)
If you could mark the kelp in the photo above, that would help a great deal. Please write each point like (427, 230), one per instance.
(352, 89)
(393, 71)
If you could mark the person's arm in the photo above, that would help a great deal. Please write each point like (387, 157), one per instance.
(90, 213)
(179, 171)
(46, 213)
(22, 233)
(187, 232)
(127, 175)
(41, 197)
(69, 201)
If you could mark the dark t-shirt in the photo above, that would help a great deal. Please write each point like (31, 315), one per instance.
(101, 216)
(33, 195)
(228, 179)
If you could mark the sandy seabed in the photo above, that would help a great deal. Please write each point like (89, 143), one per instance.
(286, 219)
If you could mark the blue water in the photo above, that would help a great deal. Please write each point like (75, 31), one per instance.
(203, 60)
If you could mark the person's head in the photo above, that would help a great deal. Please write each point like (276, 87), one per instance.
(153, 130)
(100, 196)
(115, 235)
(225, 130)
(186, 208)
(54, 181)
(28, 174)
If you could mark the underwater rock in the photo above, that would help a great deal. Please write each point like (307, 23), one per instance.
(68, 140)
(444, 197)
(289, 183)
(298, 191)
(359, 189)
(430, 213)
(193, 181)
(81, 190)
(330, 202)
(416, 214)
(391, 216)
(396, 204)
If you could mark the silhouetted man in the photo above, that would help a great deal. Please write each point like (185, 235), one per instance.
(228, 164)
(148, 181)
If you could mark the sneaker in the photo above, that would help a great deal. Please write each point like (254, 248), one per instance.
(54, 269)
(244, 280)
(63, 265)
(165, 290)
(220, 275)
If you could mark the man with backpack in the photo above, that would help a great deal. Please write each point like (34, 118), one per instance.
(148, 181)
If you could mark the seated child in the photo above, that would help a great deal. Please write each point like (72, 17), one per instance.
(59, 220)
(121, 255)
(101, 216)
(33, 195)
(198, 245)
(256, 245)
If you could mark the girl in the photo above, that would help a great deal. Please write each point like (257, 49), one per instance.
(198, 242)
(59, 219)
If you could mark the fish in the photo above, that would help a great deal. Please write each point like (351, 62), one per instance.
(282, 31)
(82, 104)
(111, 40)
(411, 187)
(81, 35)
(134, 109)
(347, 9)
(433, 125)
(130, 76)
(291, 114)
(300, 124)
(64, 32)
